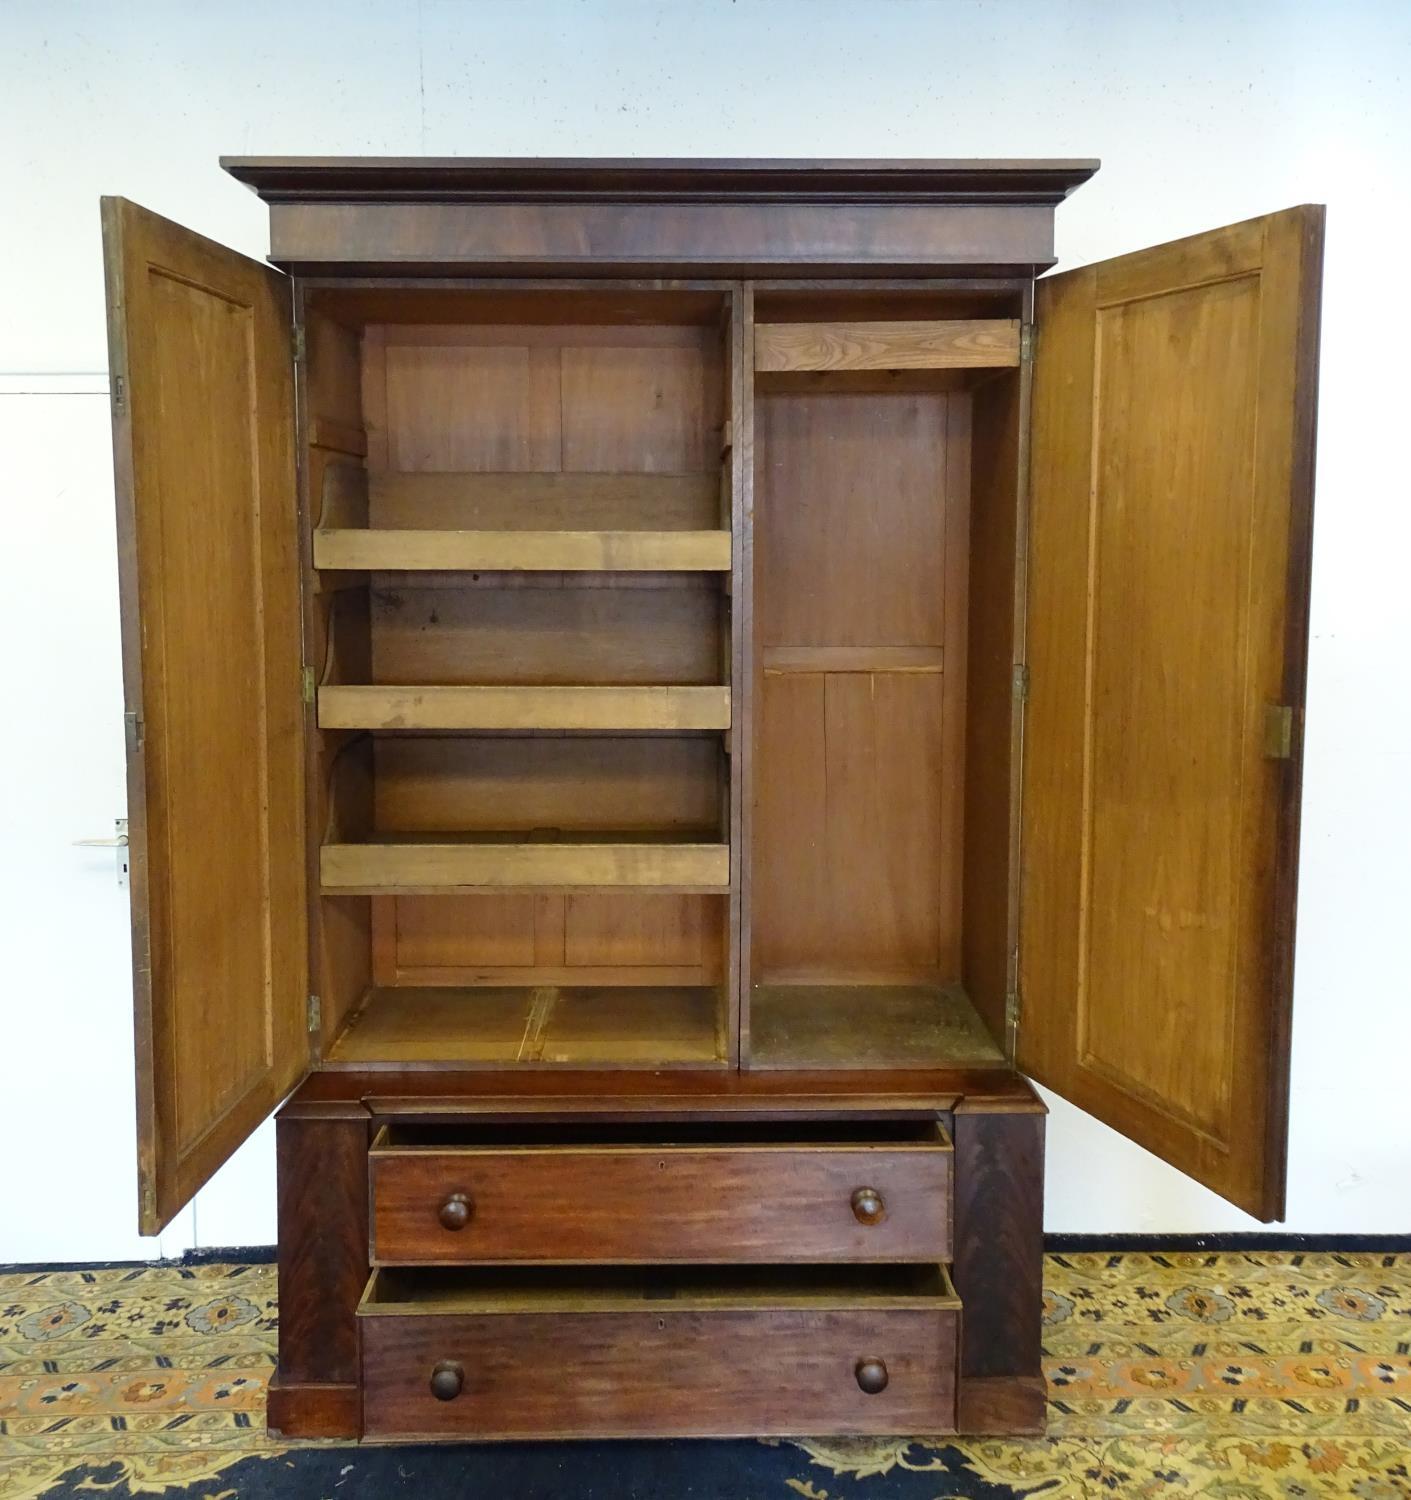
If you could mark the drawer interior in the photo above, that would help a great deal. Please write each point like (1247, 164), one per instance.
(401, 1137)
(489, 1290)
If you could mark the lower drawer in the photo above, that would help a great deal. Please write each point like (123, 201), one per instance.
(756, 1351)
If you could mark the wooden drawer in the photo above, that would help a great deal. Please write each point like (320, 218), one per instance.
(661, 1353)
(660, 1193)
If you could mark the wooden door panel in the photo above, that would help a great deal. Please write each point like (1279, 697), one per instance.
(1171, 508)
(207, 530)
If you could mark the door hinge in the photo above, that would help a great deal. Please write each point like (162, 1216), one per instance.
(1012, 1009)
(133, 728)
(315, 1013)
(306, 683)
(299, 341)
(1021, 682)
(1278, 731)
(119, 393)
(1026, 343)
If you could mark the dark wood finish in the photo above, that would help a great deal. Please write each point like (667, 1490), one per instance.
(801, 1094)
(1006, 1405)
(207, 565)
(998, 1265)
(661, 1202)
(708, 217)
(323, 1263)
(1159, 841)
(661, 1360)
(314, 1411)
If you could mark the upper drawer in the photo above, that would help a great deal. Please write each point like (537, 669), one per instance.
(651, 1193)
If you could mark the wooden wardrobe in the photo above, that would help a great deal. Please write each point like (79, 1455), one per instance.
(659, 694)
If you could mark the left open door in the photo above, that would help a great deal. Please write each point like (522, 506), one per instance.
(203, 448)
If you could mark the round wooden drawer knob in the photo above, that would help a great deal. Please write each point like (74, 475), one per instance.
(447, 1379)
(871, 1375)
(868, 1206)
(455, 1212)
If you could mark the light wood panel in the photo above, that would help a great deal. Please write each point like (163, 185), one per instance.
(444, 783)
(548, 633)
(208, 568)
(658, 708)
(868, 1026)
(971, 344)
(779, 660)
(850, 520)
(511, 551)
(1172, 471)
(532, 1026)
(621, 939)
(496, 861)
(544, 502)
(860, 528)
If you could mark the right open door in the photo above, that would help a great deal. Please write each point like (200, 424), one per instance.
(1171, 477)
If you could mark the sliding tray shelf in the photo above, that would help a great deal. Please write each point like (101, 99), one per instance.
(405, 864)
(372, 550)
(660, 708)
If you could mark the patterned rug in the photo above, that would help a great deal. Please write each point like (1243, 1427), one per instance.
(1242, 1376)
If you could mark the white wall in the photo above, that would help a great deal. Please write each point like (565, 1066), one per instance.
(1204, 113)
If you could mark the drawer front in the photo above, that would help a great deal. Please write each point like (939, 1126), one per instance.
(671, 1203)
(759, 1372)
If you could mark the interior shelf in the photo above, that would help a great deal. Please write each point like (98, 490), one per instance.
(957, 344)
(549, 860)
(867, 1026)
(582, 1026)
(362, 549)
(587, 708)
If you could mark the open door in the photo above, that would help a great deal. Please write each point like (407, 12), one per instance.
(1171, 507)
(203, 443)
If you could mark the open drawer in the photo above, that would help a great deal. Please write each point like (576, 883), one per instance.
(661, 1352)
(650, 1193)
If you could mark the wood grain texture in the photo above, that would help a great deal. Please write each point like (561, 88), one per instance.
(321, 1158)
(606, 708)
(991, 762)
(700, 239)
(543, 502)
(521, 551)
(1002, 1405)
(208, 571)
(966, 345)
(1174, 402)
(654, 1203)
(998, 1264)
(314, 1411)
(574, 1364)
(547, 632)
(489, 862)
(579, 1026)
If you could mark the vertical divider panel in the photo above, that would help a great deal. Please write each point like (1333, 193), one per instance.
(743, 663)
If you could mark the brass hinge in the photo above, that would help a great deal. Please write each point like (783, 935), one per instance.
(1012, 1008)
(315, 1013)
(1026, 343)
(1021, 682)
(306, 683)
(119, 393)
(133, 728)
(149, 1199)
(1278, 731)
(299, 340)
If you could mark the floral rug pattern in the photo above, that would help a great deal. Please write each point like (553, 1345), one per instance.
(1240, 1376)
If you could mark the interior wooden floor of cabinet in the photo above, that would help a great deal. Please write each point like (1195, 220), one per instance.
(535, 1025)
(868, 1026)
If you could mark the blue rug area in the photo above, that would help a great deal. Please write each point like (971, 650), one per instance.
(539, 1471)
